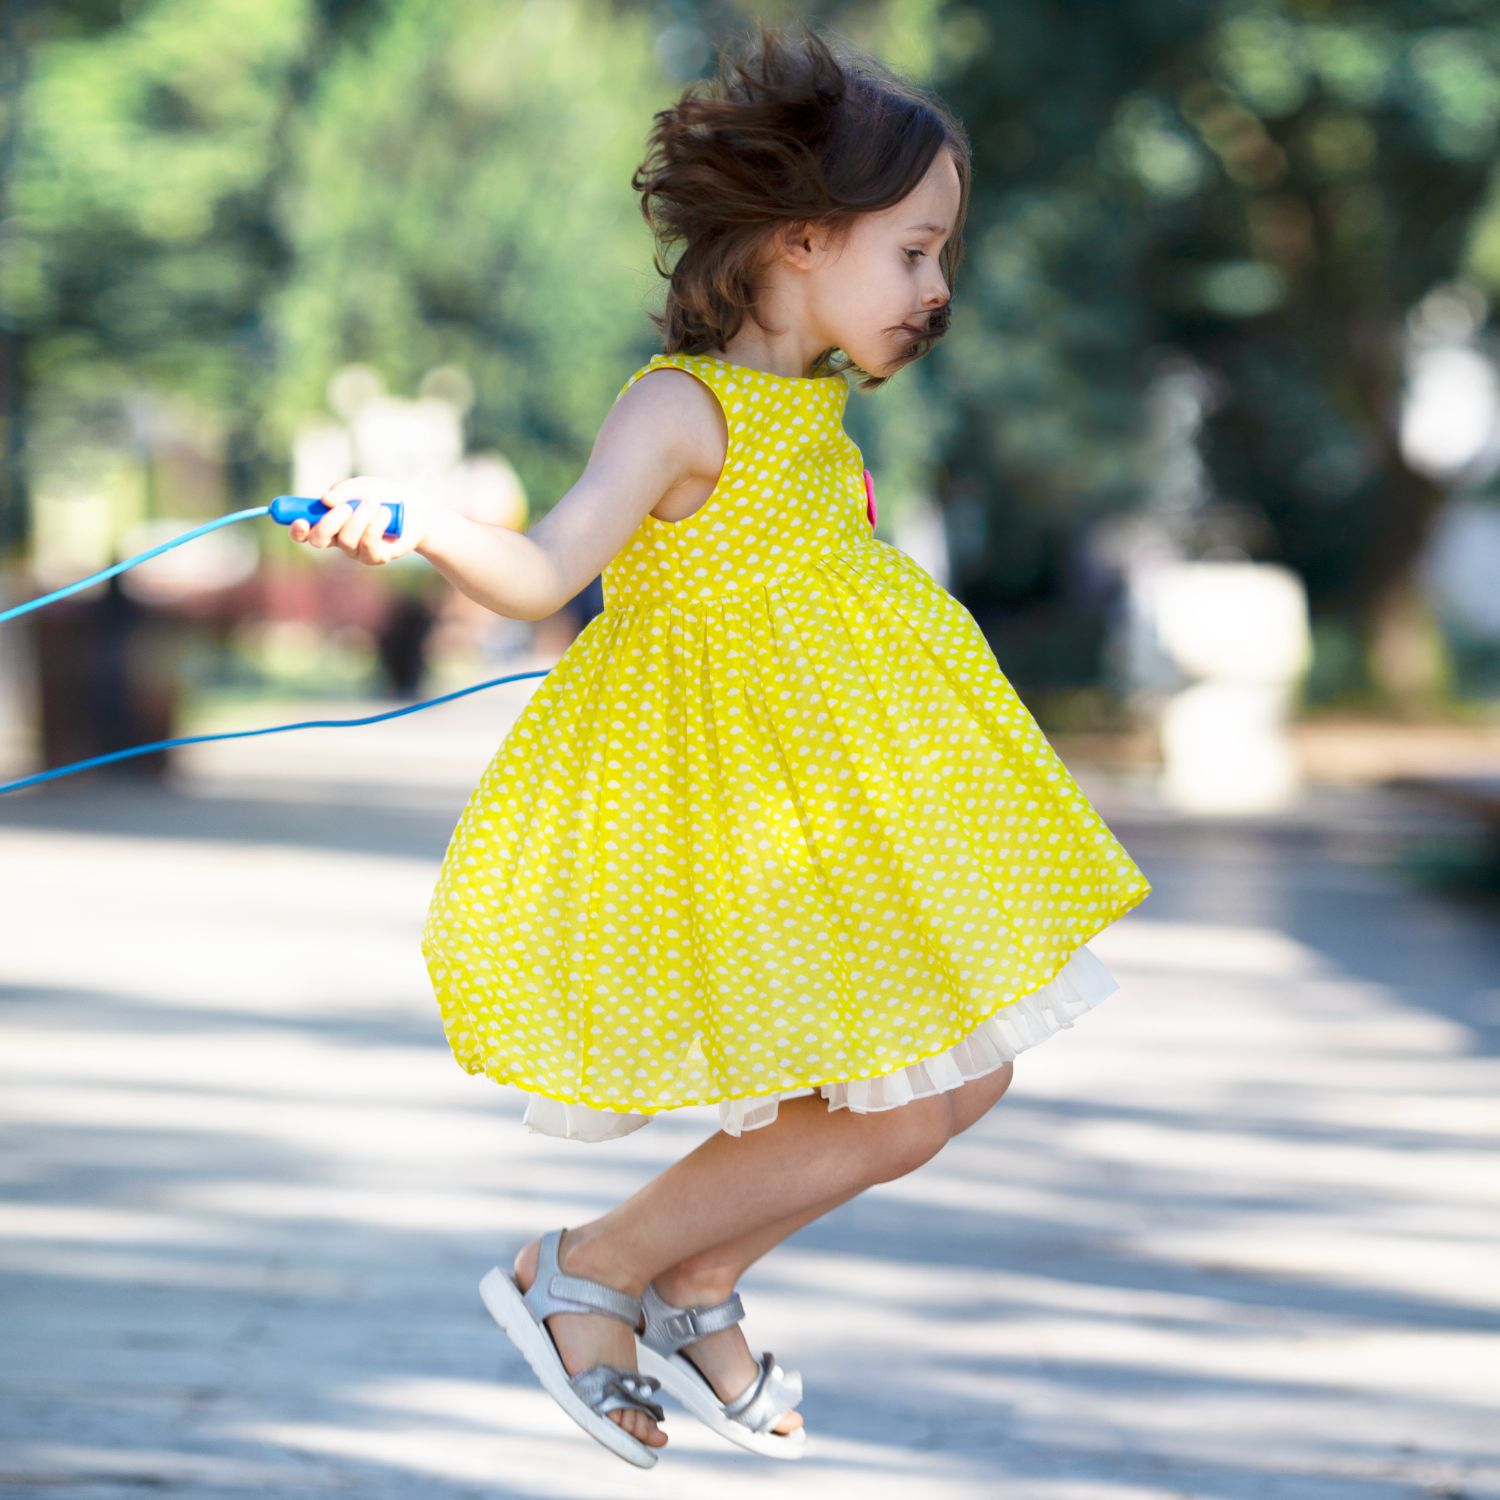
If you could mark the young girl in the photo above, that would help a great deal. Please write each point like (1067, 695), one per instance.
(775, 833)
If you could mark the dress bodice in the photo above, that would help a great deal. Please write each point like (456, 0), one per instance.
(792, 490)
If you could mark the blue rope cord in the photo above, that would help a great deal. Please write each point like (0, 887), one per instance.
(235, 734)
(130, 562)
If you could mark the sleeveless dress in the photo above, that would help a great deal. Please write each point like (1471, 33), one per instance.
(775, 823)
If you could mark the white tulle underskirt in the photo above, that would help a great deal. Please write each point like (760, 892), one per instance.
(1079, 986)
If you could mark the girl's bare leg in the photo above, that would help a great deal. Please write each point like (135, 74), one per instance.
(726, 1188)
(730, 1192)
(711, 1276)
(713, 1273)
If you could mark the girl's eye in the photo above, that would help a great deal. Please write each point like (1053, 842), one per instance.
(915, 252)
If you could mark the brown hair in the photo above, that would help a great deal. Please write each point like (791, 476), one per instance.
(792, 132)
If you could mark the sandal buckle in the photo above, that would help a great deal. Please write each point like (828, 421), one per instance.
(682, 1325)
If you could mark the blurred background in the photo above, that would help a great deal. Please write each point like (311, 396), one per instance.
(1212, 453)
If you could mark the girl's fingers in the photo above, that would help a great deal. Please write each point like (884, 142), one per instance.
(361, 534)
(357, 525)
(326, 530)
(368, 540)
(353, 525)
(371, 548)
(353, 529)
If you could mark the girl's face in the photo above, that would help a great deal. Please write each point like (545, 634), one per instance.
(872, 294)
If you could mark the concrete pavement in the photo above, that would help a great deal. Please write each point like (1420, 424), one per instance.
(1232, 1235)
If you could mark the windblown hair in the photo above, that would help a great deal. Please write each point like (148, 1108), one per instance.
(793, 132)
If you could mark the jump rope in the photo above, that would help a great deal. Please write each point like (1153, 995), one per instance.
(284, 509)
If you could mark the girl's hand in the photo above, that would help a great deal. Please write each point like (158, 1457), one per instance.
(358, 517)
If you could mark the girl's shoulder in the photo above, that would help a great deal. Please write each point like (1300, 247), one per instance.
(744, 389)
(719, 406)
(680, 416)
(704, 366)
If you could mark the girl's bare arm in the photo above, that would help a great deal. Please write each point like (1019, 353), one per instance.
(665, 430)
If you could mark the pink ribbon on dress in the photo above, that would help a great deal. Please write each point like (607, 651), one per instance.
(870, 496)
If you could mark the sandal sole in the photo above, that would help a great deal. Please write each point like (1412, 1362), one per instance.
(680, 1379)
(506, 1305)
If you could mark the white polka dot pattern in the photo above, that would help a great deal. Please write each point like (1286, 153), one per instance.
(791, 489)
(775, 822)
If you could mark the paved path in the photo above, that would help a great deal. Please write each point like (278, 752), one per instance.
(1233, 1235)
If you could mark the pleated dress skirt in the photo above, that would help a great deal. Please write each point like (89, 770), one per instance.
(995, 1041)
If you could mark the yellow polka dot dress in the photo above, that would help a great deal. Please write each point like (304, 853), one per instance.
(776, 823)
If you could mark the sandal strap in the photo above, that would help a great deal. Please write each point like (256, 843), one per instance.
(607, 1388)
(667, 1328)
(555, 1290)
(770, 1394)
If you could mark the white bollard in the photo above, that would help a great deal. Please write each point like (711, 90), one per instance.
(1239, 631)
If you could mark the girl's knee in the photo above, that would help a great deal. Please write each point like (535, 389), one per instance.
(974, 1099)
(911, 1134)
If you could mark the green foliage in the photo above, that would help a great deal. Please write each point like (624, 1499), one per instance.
(138, 239)
(222, 204)
(480, 216)
(1267, 186)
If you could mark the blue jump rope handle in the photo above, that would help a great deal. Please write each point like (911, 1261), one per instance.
(289, 508)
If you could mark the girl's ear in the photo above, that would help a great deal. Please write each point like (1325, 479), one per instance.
(796, 243)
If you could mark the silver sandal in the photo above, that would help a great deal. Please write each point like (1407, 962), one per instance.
(746, 1419)
(592, 1394)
